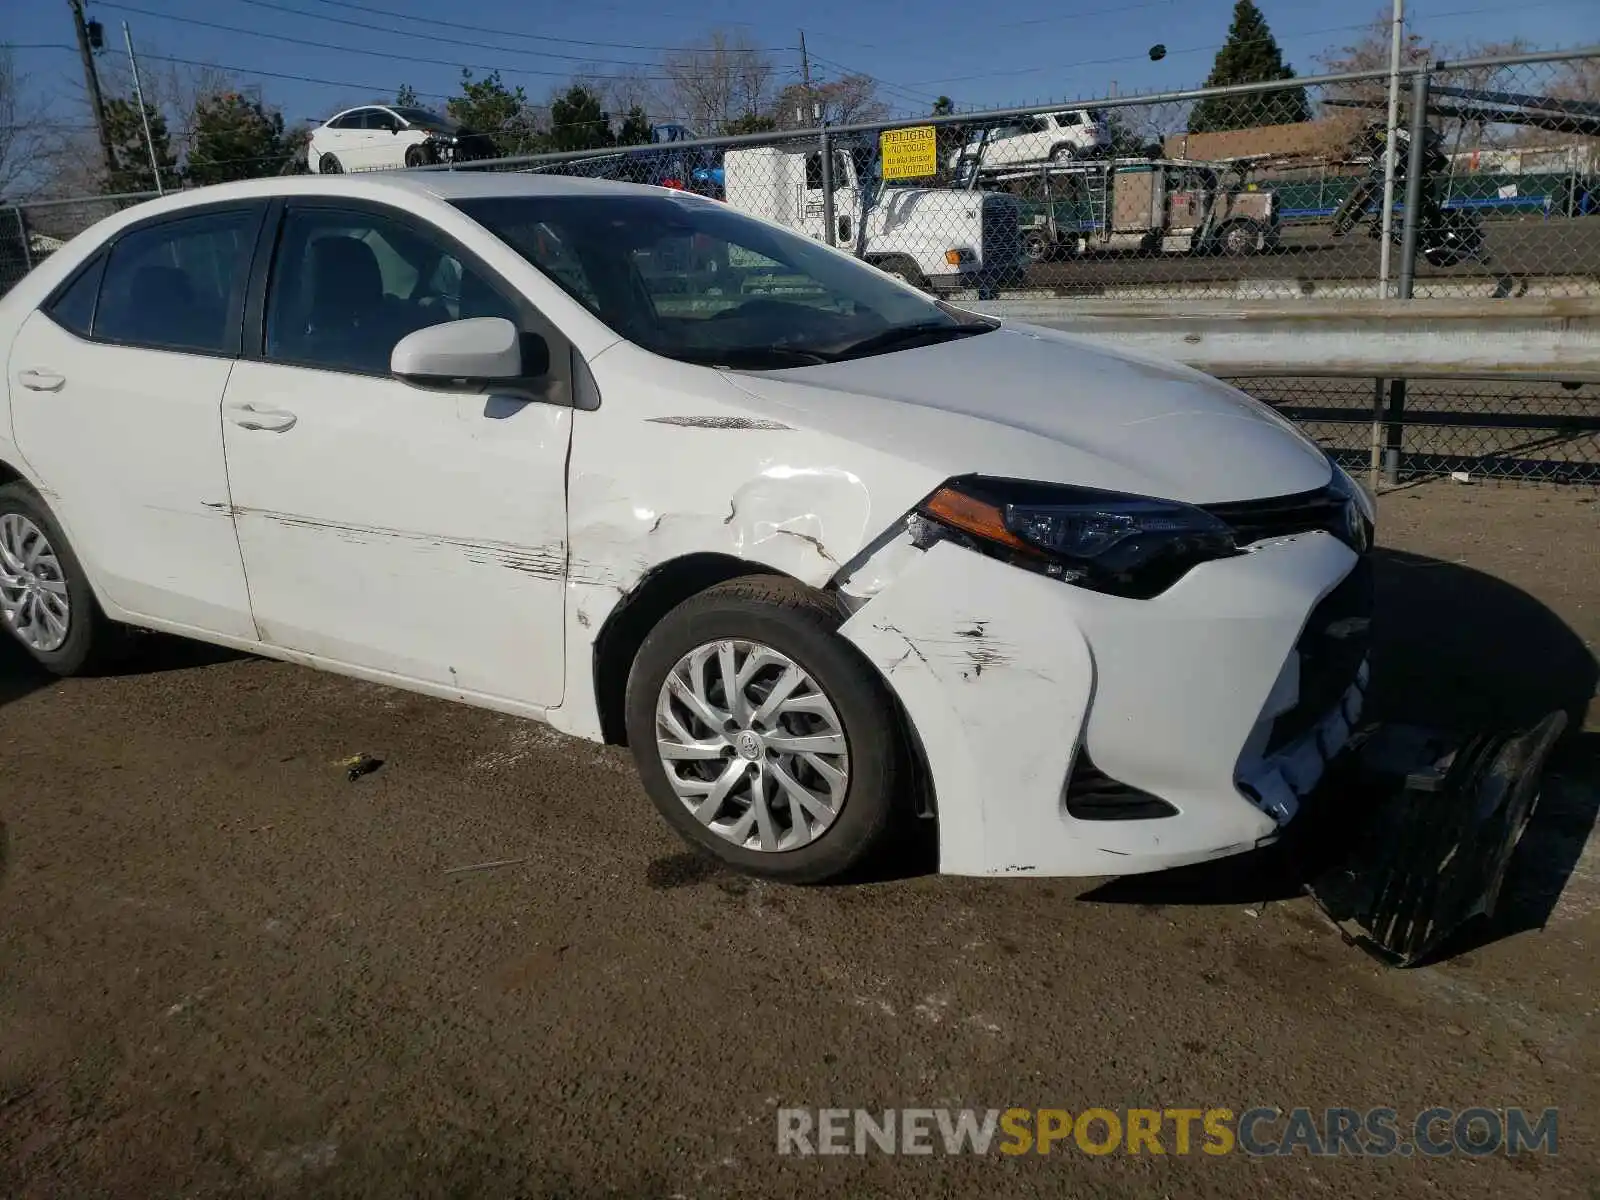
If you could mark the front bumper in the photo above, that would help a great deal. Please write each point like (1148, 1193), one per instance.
(1013, 680)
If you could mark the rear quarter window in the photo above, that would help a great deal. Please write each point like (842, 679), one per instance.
(73, 306)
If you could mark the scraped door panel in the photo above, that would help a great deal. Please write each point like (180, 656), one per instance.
(401, 530)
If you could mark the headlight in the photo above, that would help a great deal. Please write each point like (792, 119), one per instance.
(1347, 485)
(1133, 546)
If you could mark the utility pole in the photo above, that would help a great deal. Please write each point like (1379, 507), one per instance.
(92, 81)
(805, 75)
(144, 113)
(1396, 40)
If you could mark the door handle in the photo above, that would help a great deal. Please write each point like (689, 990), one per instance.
(41, 381)
(272, 420)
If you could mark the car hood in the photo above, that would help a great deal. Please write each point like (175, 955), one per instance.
(1027, 402)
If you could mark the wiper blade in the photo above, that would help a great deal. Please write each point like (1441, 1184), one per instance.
(753, 358)
(926, 333)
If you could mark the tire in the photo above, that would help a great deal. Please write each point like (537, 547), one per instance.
(1239, 238)
(1062, 154)
(421, 155)
(904, 270)
(1037, 247)
(751, 615)
(329, 165)
(91, 640)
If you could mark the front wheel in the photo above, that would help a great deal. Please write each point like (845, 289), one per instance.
(46, 603)
(329, 165)
(1037, 247)
(761, 735)
(904, 270)
(1062, 154)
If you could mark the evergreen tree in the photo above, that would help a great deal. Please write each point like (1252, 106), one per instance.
(489, 107)
(577, 122)
(750, 123)
(236, 137)
(132, 152)
(635, 130)
(1250, 55)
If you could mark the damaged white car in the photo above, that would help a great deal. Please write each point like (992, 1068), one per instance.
(829, 555)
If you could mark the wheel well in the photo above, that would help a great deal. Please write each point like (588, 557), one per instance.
(658, 593)
(8, 473)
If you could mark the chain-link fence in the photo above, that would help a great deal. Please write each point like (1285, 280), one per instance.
(1260, 192)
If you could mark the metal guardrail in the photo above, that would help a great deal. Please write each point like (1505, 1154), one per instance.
(1524, 339)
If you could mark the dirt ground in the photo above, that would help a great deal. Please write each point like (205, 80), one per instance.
(227, 971)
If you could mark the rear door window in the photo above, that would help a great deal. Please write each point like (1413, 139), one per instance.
(177, 285)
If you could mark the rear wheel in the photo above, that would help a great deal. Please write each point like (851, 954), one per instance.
(329, 165)
(1241, 237)
(761, 735)
(46, 603)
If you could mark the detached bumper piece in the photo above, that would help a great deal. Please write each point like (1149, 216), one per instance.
(1434, 849)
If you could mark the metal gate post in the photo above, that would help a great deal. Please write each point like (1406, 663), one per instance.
(830, 231)
(1394, 417)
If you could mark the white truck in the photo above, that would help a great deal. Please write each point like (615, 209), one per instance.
(938, 239)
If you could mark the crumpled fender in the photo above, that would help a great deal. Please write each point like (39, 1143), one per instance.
(998, 686)
(694, 465)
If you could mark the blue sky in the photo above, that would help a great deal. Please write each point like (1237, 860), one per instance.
(1030, 51)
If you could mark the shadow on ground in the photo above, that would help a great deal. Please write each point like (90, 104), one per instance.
(1460, 651)
(147, 653)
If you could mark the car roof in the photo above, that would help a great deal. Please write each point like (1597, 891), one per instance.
(396, 187)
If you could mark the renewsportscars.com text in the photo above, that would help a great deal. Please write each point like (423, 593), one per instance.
(1260, 1132)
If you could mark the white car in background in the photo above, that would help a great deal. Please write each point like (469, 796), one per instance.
(829, 555)
(1058, 137)
(382, 136)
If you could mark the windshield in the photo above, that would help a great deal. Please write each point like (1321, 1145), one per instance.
(426, 117)
(694, 280)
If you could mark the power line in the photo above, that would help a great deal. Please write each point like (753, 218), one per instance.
(449, 41)
(920, 98)
(436, 23)
(345, 85)
(1099, 62)
(412, 58)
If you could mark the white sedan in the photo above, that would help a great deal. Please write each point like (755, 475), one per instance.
(379, 137)
(830, 556)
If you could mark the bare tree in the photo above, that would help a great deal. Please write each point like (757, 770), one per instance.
(848, 100)
(29, 142)
(722, 79)
(626, 90)
(1370, 52)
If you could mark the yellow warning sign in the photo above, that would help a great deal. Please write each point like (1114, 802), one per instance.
(909, 153)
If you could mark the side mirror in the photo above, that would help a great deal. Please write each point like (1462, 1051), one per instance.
(469, 355)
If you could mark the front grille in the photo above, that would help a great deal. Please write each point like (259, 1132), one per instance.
(1001, 230)
(1332, 647)
(1092, 795)
(1284, 516)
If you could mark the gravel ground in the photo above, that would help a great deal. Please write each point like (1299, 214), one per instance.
(226, 970)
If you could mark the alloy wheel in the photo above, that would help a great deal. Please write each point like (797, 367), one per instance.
(752, 745)
(33, 590)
